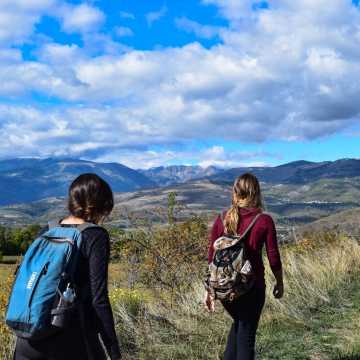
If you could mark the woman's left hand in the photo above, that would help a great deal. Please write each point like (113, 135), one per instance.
(278, 290)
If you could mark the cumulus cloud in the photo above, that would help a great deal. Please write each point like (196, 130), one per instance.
(213, 156)
(123, 31)
(153, 16)
(201, 31)
(289, 72)
(218, 156)
(80, 18)
(127, 15)
(19, 17)
(111, 135)
(233, 9)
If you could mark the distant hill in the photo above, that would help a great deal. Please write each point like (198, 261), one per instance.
(290, 204)
(297, 172)
(27, 180)
(169, 175)
(347, 221)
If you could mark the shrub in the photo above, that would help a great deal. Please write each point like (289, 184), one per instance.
(165, 257)
(132, 300)
(6, 336)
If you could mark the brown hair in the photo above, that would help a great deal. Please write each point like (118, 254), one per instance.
(90, 198)
(246, 193)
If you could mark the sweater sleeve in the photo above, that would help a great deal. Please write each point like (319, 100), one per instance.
(99, 254)
(217, 230)
(272, 248)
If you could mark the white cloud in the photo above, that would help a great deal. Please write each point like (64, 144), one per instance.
(233, 9)
(201, 31)
(289, 72)
(123, 31)
(127, 15)
(213, 156)
(80, 18)
(57, 53)
(18, 18)
(111, 135)
(154, 16)
(218, 156)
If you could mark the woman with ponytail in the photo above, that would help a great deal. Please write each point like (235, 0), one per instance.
(246, 309)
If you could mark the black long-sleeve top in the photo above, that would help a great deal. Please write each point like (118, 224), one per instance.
(92, 280)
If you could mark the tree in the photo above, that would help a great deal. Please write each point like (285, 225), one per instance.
(166, 256)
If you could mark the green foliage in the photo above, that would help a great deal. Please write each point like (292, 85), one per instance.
(164, 257)
(15, 241)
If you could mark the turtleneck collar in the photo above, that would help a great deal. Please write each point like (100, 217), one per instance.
(249, 211)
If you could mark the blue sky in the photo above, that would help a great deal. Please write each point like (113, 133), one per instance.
(209, 82)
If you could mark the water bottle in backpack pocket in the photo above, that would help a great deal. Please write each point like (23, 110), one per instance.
(41, 291)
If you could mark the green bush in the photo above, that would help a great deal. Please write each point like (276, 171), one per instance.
(165, 257)
(15, 241)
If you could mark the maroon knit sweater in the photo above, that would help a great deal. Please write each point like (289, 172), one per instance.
(263, 232)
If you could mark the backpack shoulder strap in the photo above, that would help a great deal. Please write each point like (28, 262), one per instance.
(250, 226)
(53, 224)
(240, 237)
(56, 223)
(87, 225)
(223, 213)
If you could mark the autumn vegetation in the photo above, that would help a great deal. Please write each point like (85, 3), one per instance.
(156, 291)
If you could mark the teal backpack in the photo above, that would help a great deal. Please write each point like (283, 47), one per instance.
(44, 290)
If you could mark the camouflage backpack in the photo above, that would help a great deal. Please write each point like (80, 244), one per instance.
(230, 272)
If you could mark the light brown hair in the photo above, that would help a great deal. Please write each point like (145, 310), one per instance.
(246, 193)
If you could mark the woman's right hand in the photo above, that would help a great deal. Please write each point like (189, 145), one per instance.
(209, 302)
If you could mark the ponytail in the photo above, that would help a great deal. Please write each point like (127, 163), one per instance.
(246, 193)
(231, 220)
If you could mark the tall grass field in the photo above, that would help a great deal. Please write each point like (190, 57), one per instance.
(318, 318)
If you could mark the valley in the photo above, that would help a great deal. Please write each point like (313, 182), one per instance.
(292, 207)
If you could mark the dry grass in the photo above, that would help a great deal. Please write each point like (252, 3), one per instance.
(6, 337)
(318, 318)
(311, 275)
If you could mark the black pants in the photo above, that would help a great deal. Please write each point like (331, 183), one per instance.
(69, 345)
(245, 312)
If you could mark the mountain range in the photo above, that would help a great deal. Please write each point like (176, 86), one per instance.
(297, 172)
(300, 192)
(27, 180)
(179, 174)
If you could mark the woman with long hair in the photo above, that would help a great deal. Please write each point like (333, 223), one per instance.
(246, 309)
(90, 201)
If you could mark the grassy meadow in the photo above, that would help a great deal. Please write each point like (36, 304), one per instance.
(156, 298)
(318, 318)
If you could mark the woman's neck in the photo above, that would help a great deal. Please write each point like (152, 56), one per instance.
(72, 220)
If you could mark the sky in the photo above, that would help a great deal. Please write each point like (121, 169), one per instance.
(200, 82)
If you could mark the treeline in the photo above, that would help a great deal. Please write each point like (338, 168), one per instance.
(15, 241)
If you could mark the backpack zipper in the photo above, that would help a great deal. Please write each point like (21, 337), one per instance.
(42, 273)
(59, 240)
